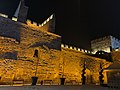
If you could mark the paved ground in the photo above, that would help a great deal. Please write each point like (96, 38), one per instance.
(92, 87)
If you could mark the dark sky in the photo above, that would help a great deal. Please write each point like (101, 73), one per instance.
(77, 21)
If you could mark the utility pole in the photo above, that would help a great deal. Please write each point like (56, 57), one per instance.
(35, 78)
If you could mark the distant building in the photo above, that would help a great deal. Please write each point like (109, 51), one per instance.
(107, 44)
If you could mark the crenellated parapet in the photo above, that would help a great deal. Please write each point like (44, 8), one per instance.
(33, 23)
(47, 20)
(6, 16)
(106, 43)
(3, 15)
(47, 25)
(30, 22)
(75, 48)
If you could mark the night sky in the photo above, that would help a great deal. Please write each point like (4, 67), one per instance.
(77, 21)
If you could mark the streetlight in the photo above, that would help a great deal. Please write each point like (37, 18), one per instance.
(35, 78)
(62, 79)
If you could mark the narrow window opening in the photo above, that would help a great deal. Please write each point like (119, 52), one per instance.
(36, 53)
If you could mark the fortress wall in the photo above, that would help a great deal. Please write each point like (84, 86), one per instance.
(115, 56)
(6, 16)
(3, 15)
(15, 69)
(8, 48)
(47, 25)
(9, 28)
(31, 23)
(75, 60)
(27, 36)
(22, 15)
(34, 38)
(103, 44)
(48, 67)
(75, 48)
(53, 65)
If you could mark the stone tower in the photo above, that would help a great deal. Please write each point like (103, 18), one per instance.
(49, 24)
(51, 27)
(21, 12)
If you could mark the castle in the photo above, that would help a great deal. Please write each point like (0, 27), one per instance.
(29, 49)
(107, 44)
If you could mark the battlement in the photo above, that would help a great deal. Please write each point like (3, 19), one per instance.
(3, 15)
(6, 16)
(75, 48)
(107, 44)
(30, 22)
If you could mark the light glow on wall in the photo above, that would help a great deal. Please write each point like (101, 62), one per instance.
(48, 20)
(44, 22)
(78, 49)
(3, 15)
(34, 23)
(14, 19)
(71, 47)
(51, 17)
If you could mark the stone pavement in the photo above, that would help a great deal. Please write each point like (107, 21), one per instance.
(54, 87)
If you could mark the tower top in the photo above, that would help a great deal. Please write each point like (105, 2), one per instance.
(18, 9)
(21, 12)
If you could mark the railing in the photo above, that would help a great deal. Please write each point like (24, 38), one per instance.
(75, 48)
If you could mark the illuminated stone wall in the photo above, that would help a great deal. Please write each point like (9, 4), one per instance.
(74, 61)
(101, 44)
(53, 64)
(48, 25)
(24, 68)
(21, 41)
(116, 56)
(8, 48)
(107, 44)
(27, 36)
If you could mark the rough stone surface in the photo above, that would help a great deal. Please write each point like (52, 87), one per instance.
(18, 43)
(27, 36)
(52, 65)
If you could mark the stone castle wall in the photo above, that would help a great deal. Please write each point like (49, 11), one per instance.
(8, 48)
(101, 44)
(21, 41)
(107, 43)
(52, 65)
(27, 36)
(48, 25)
(76, 48)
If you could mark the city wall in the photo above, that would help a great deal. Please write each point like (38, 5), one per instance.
(47, 25)
(27, 36)
(52, 65)
(75, 48)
